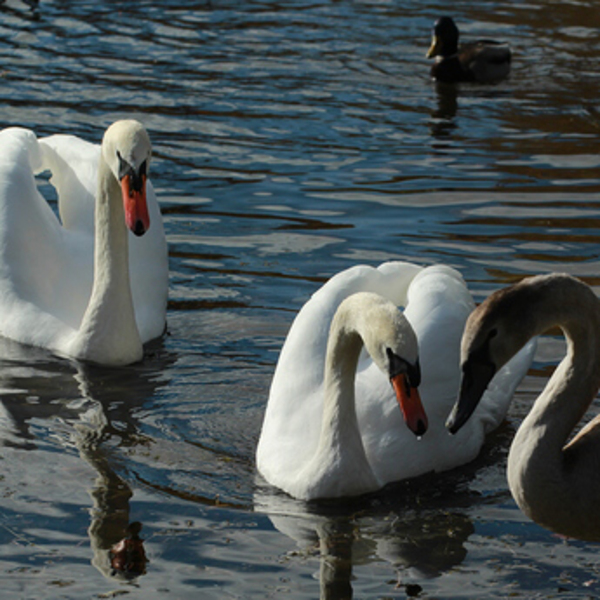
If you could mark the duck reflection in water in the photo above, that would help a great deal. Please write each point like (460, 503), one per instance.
(128, 556)
(442, 123)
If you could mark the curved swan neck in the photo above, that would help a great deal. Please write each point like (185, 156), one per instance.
(361, 319)
(572, 306)
(108, 331)
(340, 465)
(539, 476)
(340, 431)
(339, 407)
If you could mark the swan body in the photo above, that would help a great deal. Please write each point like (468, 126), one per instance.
(82, 285)
(296, 451)
(556, 482)
(482, 61)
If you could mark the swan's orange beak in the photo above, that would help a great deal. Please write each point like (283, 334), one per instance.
(410, 404)
(133, 189)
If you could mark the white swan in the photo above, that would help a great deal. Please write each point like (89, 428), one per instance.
(96, 297)
(303, 451)
(554, 481)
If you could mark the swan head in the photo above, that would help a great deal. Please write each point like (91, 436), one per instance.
(392, 343)
(127, 150)
(493, 334)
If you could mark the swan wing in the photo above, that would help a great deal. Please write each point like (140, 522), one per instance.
(35, 265)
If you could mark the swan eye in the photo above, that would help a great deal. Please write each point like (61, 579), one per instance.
(399, 366)
(414, 374)
(126, 170)
(124, 167)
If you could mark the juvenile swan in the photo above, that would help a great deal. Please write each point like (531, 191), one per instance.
(554, 481)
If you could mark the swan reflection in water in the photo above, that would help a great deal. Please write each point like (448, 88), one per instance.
(92, 405)
(115, 539)
(118, 550)
(419, 543)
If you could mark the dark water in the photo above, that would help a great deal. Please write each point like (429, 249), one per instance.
(291, 140)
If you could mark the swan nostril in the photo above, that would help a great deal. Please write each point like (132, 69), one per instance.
(139, 228)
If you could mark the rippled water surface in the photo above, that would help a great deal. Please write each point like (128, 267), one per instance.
(291, 140)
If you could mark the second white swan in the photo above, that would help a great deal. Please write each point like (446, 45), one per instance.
(332, 426)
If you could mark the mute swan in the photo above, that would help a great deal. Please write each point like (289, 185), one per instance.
(483, 61)
(90, 297)
(313, 444)
(555, 483)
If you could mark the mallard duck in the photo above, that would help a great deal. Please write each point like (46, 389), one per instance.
(483, 61)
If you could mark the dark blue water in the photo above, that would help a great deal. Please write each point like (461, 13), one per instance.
(291, 140)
